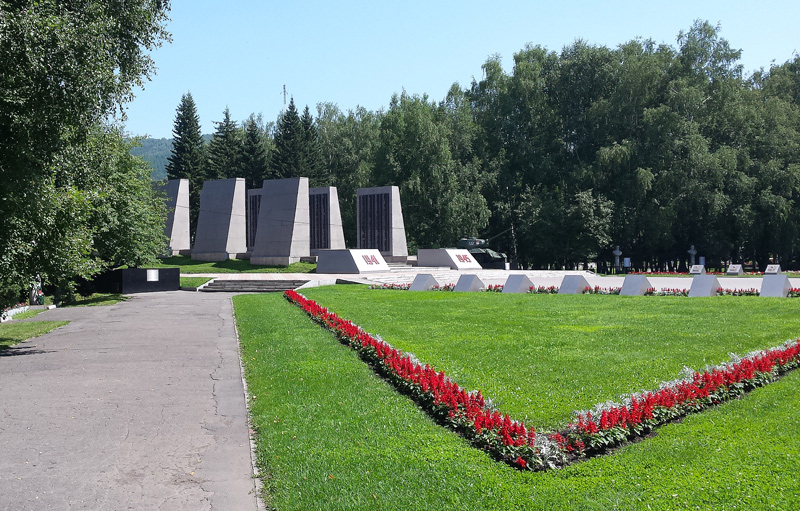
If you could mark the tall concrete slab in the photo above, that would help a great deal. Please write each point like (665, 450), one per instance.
(282, 235)
(325, 220)
(775, 285)
(177, 226)
(380, 222)
(221, 226)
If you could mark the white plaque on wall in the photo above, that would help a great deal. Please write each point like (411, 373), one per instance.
(152, 275)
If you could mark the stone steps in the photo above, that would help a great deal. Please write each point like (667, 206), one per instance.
(252, 286)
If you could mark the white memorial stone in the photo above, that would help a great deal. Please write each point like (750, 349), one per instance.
(573, 285)
(423, 282)
(469, 283)
(635, 285)
(735, 269)
(775, 285)
(351, 261)
(704, 285)
(379, 221)
(454, 258)
(517, 284)
(282, 234)
(772, 269)
(697, 269)
(177, 226)
(221, 226)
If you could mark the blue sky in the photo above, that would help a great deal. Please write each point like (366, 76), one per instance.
(241, 53)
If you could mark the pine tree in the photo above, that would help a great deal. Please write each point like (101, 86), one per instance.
(287, 160)
(255, 152)
(186, 160)
(313, 165)
(225, 149)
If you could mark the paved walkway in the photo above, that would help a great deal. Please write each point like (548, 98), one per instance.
(139, 405)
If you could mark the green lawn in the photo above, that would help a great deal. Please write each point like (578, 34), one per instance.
(544, 356)
(95, 299)
(12, 333)
(194, 282)
(188, 265)
(332, 435)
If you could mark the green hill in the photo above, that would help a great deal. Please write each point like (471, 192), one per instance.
(155, 151)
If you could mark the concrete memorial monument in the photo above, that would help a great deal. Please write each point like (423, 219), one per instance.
(517, 284)
(697, 269)
(253, 207)
(774, 283)
(469, 283)
(325, 219)
(423, 282)
(351, 261)
(282, 232)
(704, 285)
(635, 285)
(221, 226)
(454, 258)
(380, 222)
(177, 226)
(573, 285)
(735, 269)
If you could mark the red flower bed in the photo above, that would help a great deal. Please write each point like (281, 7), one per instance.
(465, 412)
(591, 432)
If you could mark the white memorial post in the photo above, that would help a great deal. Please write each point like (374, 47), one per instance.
(735, 269)
(775, 284)
(617, 253)
(469, 283)
(635, 285)
(423, 282)
(517, 284)
(572, 285)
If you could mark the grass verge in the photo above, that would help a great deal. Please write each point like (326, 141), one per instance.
(330, 434)
(95, 299)
(193, 282)
(12, 333)
(188, 266)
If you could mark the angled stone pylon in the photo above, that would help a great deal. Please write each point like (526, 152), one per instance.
(282, 235)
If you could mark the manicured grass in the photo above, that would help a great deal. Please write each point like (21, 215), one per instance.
(14, 333)
(544, 356)
(194, 282)
(332, 435)
(28, 314)
(188, 265)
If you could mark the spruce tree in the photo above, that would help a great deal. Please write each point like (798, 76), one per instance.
(255, 152)
(287, 160)
(313, 165)
(186, 159)
(225, 149)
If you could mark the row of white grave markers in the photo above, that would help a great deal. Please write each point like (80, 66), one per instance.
(773, 284)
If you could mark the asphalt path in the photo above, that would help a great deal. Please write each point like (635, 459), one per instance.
(139, 405)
